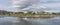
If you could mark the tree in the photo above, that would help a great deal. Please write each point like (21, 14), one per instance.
(54, 13)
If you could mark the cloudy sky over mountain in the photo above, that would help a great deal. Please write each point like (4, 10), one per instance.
(47, 5)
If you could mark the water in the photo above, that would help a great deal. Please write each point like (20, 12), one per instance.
(9, 20)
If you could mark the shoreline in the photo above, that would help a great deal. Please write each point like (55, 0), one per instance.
(34, 16)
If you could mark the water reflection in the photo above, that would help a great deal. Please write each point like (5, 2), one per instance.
(28, 21)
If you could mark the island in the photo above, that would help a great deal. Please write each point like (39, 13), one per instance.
(30, 14)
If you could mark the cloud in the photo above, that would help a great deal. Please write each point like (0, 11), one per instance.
(49, 1)
(6, 5)
(29, 5)
(52, 11)
(25, 3)
(52, 5)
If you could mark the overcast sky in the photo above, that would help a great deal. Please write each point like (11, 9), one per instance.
(50, 5)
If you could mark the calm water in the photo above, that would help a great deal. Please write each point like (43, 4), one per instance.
(8, 20)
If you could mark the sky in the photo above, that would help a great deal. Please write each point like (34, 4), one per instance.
(6, 5)
(47, 5)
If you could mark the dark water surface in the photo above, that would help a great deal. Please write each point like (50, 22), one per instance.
(9, 20)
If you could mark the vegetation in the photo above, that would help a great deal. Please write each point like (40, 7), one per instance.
(29, 14)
